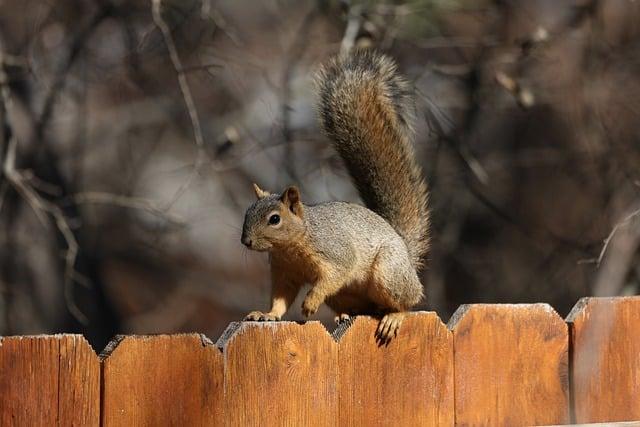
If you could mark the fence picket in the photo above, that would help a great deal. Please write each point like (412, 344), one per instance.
(162, 380)
(49, 380)
(279, 373)
(605, 342)
(493, 364)
(408, 382)
(511, 365)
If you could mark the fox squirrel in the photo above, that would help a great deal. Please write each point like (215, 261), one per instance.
(359, 260)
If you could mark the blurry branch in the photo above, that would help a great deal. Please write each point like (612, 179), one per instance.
(40, 185)
(295, 52)
(208, 12)
(448, 70)
(620, 253)
(76, 46)
(539, 36)
(205, 9)
(524, 97)
(127, 202)
(353, 28)
(156, 9)
(4, 186)
(4, 97)
(177, 64)
(456, 136)
(23, 182)
(442, 127)
(13, 61)
(626, 221)
(199, 67)
(8, 244)
(41, 207)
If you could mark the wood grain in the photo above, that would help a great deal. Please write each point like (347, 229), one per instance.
(608, 424)
(279, 374)
(49, 380)
(162, 380)
(511, 365)
(605, 341)
(408, 382)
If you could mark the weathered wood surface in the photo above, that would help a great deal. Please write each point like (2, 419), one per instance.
(610, 424)
(407, 382)
(511, 365)
(605, 341)
(49, 380)
(162, 380)
(495, 365)
(279, 374)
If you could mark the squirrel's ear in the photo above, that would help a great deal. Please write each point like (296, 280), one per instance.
(291, 198)
(260, 193)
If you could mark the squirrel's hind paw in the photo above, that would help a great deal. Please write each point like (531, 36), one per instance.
(389, 326)
(258, 316)
(341, 318)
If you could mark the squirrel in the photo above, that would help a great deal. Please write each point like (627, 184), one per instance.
(358, 260)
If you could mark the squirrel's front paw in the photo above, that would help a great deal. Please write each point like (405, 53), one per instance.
(258, 316)
(310, 305)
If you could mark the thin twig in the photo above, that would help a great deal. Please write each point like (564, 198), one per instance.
(177, 64)
(613, 232)
(220, 22)
(21, 182)
(186, 95)
(41, 207)
(4, 186)
(294, 54)
(76, 45)
(3, 112)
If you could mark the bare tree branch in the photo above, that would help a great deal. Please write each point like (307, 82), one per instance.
(41, 208)
(353, 28)
(186, 94)
(620, 249)
(626, 221)
(76, 46)
(293, 56)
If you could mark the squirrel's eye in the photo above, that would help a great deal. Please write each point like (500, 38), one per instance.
(274, 219)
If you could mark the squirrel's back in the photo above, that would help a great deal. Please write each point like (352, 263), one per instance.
(365, 108)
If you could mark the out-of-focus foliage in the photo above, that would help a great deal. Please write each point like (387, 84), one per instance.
(527, 129)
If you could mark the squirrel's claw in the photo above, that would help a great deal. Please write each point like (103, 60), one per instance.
(389, 326)
(341, 318)
(258, 316)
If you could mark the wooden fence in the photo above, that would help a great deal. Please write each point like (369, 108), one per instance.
(492, 365)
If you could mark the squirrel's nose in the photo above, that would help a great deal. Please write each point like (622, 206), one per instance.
(246, 241)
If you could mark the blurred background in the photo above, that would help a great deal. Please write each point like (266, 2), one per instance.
(131, 131)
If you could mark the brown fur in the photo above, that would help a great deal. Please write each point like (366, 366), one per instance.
(365, 109)
(358, 260)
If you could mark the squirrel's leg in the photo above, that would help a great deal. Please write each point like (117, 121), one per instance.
(321, 290)
(283, 292)
(395, 289)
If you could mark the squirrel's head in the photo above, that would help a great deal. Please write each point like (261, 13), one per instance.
(273, 220)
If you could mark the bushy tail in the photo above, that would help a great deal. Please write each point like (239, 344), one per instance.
(365, 108)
